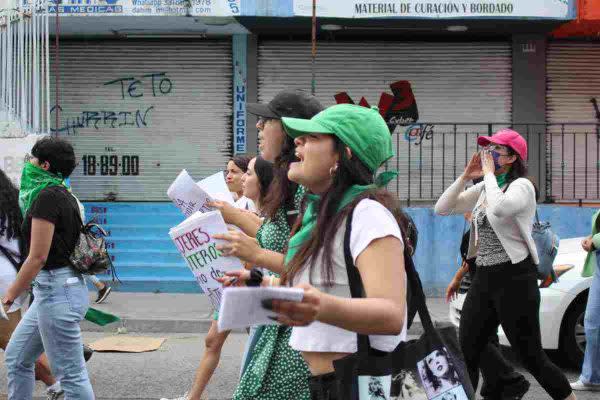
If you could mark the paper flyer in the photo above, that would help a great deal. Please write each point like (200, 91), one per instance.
(216, 186)
(241, 306)
(187, 196)
(194, 240)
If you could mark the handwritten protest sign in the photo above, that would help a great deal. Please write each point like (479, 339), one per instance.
(194, 240)
(187, 195)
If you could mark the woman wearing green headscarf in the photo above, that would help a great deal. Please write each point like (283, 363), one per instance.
(340, 149)
(51, 229)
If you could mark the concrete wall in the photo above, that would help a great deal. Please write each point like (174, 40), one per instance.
(529, 100)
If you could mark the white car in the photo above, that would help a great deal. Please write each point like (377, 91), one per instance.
(562, 306)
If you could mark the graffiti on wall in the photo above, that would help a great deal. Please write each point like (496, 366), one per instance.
(130, 87)
(397, 109)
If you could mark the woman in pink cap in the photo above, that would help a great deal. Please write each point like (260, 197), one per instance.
(504, 290)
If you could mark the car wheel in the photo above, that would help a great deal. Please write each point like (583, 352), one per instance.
(572, 343)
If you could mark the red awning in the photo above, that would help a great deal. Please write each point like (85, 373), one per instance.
(587, 23)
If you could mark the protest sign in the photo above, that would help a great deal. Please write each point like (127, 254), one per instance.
(187, 195)
(216, 186)
(194, 240)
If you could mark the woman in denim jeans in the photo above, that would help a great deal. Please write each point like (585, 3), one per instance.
(590, 372)
(50, 229)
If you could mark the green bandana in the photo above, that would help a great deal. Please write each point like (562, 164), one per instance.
(309, 220)
(33, 181)
(501, 179)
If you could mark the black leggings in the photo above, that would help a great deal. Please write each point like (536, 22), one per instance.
(507, 294)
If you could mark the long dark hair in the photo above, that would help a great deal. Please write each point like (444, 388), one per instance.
(282, 191)
(518, 168)
(10, 213)
(350, 171)
(264, 172)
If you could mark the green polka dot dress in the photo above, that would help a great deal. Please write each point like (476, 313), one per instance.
(275, 371)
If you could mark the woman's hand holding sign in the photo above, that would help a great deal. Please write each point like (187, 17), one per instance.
(297, 313)
(239, 245)
(228, 211)
(235, 278)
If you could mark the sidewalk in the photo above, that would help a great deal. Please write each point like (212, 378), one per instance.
(189, 313)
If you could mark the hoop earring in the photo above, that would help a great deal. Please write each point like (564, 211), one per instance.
(333, 170)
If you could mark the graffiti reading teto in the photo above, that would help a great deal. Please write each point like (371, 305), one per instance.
(131, 87)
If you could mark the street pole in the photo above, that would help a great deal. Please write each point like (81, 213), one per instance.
(57, 68)
(313, 82)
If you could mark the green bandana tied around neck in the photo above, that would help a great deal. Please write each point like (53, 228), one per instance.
(309, 220)
(501, 179)
(33, 181)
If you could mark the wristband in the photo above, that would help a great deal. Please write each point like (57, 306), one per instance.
(272, 280)
(256, 278)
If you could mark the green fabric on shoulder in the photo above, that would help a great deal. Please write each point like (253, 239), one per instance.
(589, 265)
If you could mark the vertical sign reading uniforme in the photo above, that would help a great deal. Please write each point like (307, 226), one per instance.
(240, 74)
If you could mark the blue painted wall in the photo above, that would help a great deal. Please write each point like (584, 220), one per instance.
(146, 259)
(438, 256)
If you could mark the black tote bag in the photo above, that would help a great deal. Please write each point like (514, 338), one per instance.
(428, 368)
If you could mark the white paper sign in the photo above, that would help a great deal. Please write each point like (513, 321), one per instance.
(241, 306)
(188, 196)
(216, 186)
(194, 240)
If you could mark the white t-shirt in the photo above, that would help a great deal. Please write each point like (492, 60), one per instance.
(370, 221)
(245, 204)
(8, 273)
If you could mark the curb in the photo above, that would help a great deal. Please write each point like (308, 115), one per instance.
(185, 326)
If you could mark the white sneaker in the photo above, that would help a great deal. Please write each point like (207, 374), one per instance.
(52, 394)
(184, 397)
(585, 386)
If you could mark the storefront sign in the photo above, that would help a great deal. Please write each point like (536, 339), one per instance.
(558, 9)
(197, 8)
(239, 93)
(397, 109)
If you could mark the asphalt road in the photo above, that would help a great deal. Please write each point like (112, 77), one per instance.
(168, 371)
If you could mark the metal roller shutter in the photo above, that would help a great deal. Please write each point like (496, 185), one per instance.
(137, 112)
(453, 82)
(573, 79)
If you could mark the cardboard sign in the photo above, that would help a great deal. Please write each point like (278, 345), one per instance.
(188, 196)
(194, 240)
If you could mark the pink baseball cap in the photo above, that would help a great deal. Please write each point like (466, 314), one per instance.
(506, 137)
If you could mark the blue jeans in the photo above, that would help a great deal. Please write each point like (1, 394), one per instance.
(51, 324)
(590, 372)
